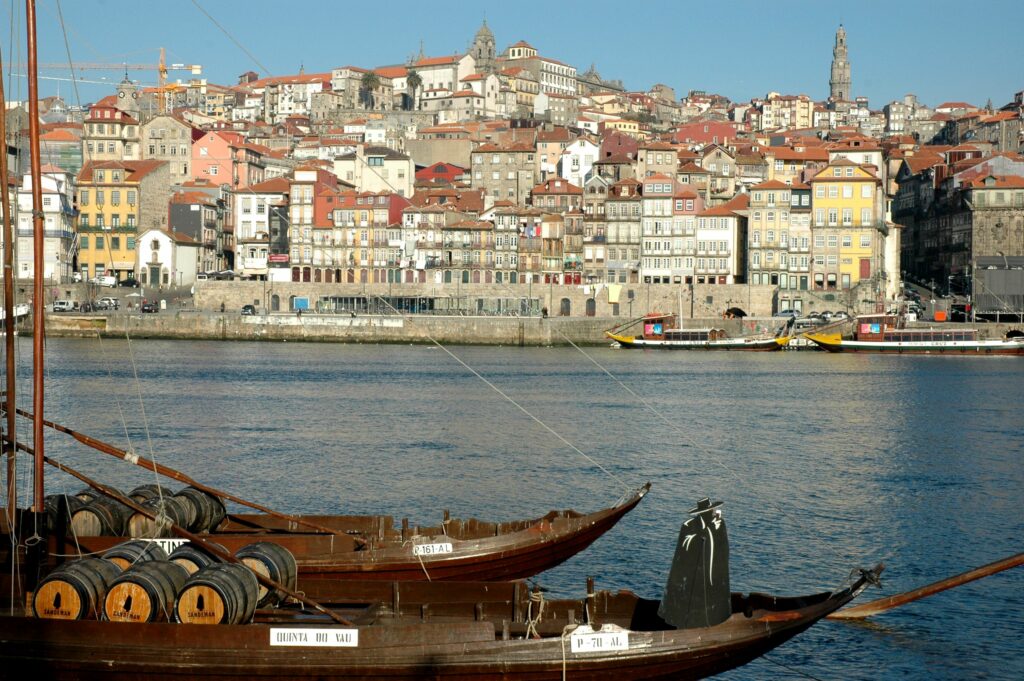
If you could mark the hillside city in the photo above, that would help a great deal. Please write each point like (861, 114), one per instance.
(512, 168)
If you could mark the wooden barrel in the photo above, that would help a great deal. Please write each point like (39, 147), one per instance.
(145, 593)
(208, 510)
(87, 494)
(53, 503)
(219, 594)
(136, 551)
(193, 557)
(171, 509)
(272, 561)
(147, 492)
(100, 517)
(75, 590)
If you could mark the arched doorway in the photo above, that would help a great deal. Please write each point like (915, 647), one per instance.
(291, 303)
(296, 274)
(591, 307)
(565, 309)
(275, 303)
(306, 274)
(317, 275)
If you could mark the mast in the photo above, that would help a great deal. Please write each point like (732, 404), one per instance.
(38, 236)
(9, 243)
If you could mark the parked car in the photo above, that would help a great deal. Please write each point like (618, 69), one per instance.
(104, 280)
(64, 306)
(150, 307)
(76, 277)
(108, 303)
(826, 315)
(248, 310)
(840, 315)
(128, 282)
(787, 313)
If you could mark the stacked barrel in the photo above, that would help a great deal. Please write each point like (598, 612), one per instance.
(90, 514)
(138, 582)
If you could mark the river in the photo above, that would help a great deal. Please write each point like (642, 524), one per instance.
(825, 463)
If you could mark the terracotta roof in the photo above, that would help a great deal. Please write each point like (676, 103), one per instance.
(392, 71)
(134, 170)
(728, 209)
(522, 43)
(439, 61)
(277, 185)
(956, 105)
(998, 182)
(692, 168)
(61, 135)
(771, 184)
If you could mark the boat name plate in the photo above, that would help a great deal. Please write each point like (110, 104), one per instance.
(432, 549)
(319, 637)
(585, 640)
(168, 545)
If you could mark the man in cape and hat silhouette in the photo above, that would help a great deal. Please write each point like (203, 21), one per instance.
(697, 592)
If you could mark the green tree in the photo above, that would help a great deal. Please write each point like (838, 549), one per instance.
(414, 81)
(368, 85)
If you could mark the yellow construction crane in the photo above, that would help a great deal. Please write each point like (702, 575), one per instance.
(161, 68)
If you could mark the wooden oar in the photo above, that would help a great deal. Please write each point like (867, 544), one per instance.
(890, 602)
(143, 462)
(182, 532)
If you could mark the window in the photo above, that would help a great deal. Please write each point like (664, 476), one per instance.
(213, 170)
(849, 171)
(83, 197)
(847, 191)
(833, 216)
(131, 220)
(115, 243)
(865, 191)
(819, 241)
(115, 220)
(131, 243)
(83, 242)
(833, 241)
(847, 216)
(115, 198)
(865, 240)
(100, 245)
(865, 216)
(819, 216)
(833, 191)
(847, 241)
(819, 191)
(99, 221)
(83, 220)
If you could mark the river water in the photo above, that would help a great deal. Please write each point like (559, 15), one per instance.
(825, 463)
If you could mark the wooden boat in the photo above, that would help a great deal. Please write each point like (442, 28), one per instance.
(409, 630)
(660, 332)
(371, 547)
(888, 333)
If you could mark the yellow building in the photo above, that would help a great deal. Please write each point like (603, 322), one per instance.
(116, 201)
(847, 227)
(631, 128)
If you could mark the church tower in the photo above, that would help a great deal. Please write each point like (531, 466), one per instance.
(483, 49)
(839, 82)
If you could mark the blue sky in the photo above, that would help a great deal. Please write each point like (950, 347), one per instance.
(938, 50)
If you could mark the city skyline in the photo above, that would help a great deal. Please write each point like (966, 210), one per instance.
(742, 51)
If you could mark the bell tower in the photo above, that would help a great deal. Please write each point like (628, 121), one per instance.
(483, 49)
(839, 82)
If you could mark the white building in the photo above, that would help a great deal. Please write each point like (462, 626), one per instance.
(577, 161)
(163, 255)
(377, 169)
(252, 224)
(60, 244)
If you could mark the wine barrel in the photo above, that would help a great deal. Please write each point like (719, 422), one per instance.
(209, 510)
(87, 494)
(100, 517)
(75, 590)
(171, 509)
(136, 551)
(219, 594)
(52, 503)
(145, 593)
(272, 561)
(193, 557)
(147, 492)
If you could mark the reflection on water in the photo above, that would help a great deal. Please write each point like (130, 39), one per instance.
(825, 463)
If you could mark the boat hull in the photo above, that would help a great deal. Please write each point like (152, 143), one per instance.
(473, 647)
(748, 344)
(956, 348)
